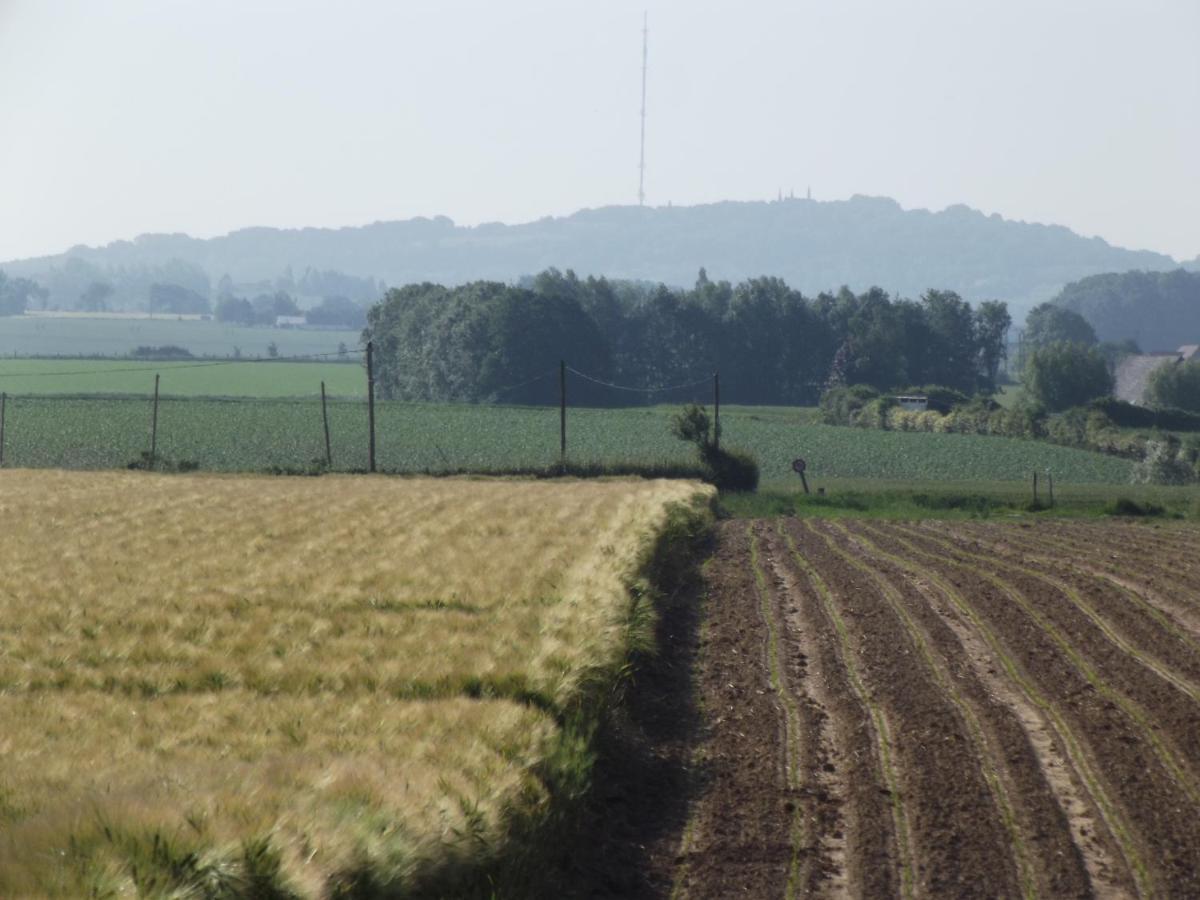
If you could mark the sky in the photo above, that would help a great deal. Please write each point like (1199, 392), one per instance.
(123, 117)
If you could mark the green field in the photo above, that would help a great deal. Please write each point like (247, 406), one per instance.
(266, 378)
(249, 435)
(44, 336)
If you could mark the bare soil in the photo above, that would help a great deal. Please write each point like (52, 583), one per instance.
(888, 709)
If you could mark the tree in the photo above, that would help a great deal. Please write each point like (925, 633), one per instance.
(992, 322)
(1175, 384)
(15, 294)
(95, 298)
(339, 312)
(269, 307)
(1066, 374)
(175, 299)
(1048, 324)
(236, 310)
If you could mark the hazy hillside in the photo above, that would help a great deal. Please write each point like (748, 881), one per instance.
(815, 246)
(1159, 310)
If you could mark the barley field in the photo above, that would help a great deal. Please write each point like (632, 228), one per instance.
(228, 686)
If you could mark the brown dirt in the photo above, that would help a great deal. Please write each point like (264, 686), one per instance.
(881, 709)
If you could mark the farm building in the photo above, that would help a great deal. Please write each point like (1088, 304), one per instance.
(913, 402)
(1133, 372)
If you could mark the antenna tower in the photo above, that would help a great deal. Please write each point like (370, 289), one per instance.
(642, 157)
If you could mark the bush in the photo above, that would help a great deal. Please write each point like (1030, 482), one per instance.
(166, 351)
(1129, 415)
(728, 470)
(1063, 374)
(839, 404)
(1123, 506)
(1164, 464)
(1176, 386)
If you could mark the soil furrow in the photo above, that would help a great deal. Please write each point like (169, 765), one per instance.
(1113, 862)
(960, 836)
(862, 722)
(1133, 683)
(737, 836)
(1168, 576)
(800, 748)
(1124, 597)
(1117, 729)
(1115, 621)
(1050, 862)
(820, 857)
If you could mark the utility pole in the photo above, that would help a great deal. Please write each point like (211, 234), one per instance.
(642, 158)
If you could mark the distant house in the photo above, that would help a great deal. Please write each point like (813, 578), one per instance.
(1133, 372)
(290, 321)
(913, 402)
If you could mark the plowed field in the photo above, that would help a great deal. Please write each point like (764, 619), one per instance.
(948, 709)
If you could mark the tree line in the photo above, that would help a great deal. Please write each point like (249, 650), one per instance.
(480, 341)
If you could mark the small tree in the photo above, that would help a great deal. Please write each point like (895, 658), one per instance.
(272, 350)
(729, 470)
(1066, 374)
(1177, 385)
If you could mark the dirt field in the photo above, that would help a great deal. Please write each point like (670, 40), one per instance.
(945, 709)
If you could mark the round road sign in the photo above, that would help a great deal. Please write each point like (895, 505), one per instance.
(798, 465)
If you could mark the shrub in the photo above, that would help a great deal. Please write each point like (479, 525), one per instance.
(1123, 506)
(839, 404)
(1129, 415)
(1176, 385)
(1163, 464)
(1063, 374)
(728, 470)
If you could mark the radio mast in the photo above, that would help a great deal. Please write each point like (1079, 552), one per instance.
(642, 158)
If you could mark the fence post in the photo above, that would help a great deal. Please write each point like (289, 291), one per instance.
(1035, 493)
(154, 425)
(1050, 486)
(3, 403)
(325, 419)
(717, 410)
(562, 411)
(371, 405)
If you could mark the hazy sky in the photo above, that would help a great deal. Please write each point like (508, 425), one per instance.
(119, 117)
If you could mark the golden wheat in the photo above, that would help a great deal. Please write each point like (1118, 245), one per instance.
(206, 662)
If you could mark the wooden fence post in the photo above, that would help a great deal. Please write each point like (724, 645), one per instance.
(1035, 491)
(371, 405)
(1050, 486)
(3, 403)
(154, 425)
(325, 419)
(717, 410)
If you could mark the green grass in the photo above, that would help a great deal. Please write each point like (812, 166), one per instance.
(881, 498)
(248, 435)
(37, 336)
(187, 379)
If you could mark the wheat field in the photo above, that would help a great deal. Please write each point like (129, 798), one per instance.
(210, 684)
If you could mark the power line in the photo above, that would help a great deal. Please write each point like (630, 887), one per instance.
(640, 390)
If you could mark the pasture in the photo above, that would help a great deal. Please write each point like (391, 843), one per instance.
(79, 336)
(198, 378)
(219, 686)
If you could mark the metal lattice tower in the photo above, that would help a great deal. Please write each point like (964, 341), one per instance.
(642, 157)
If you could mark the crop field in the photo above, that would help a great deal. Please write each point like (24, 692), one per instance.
(223, 686)
(949, 709)
(199, 378)
(46, 336)
(249, 435)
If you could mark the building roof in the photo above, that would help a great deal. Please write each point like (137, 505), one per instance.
(1133, 372)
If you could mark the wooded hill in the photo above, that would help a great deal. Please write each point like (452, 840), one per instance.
(815, 246)
(1158, 310)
